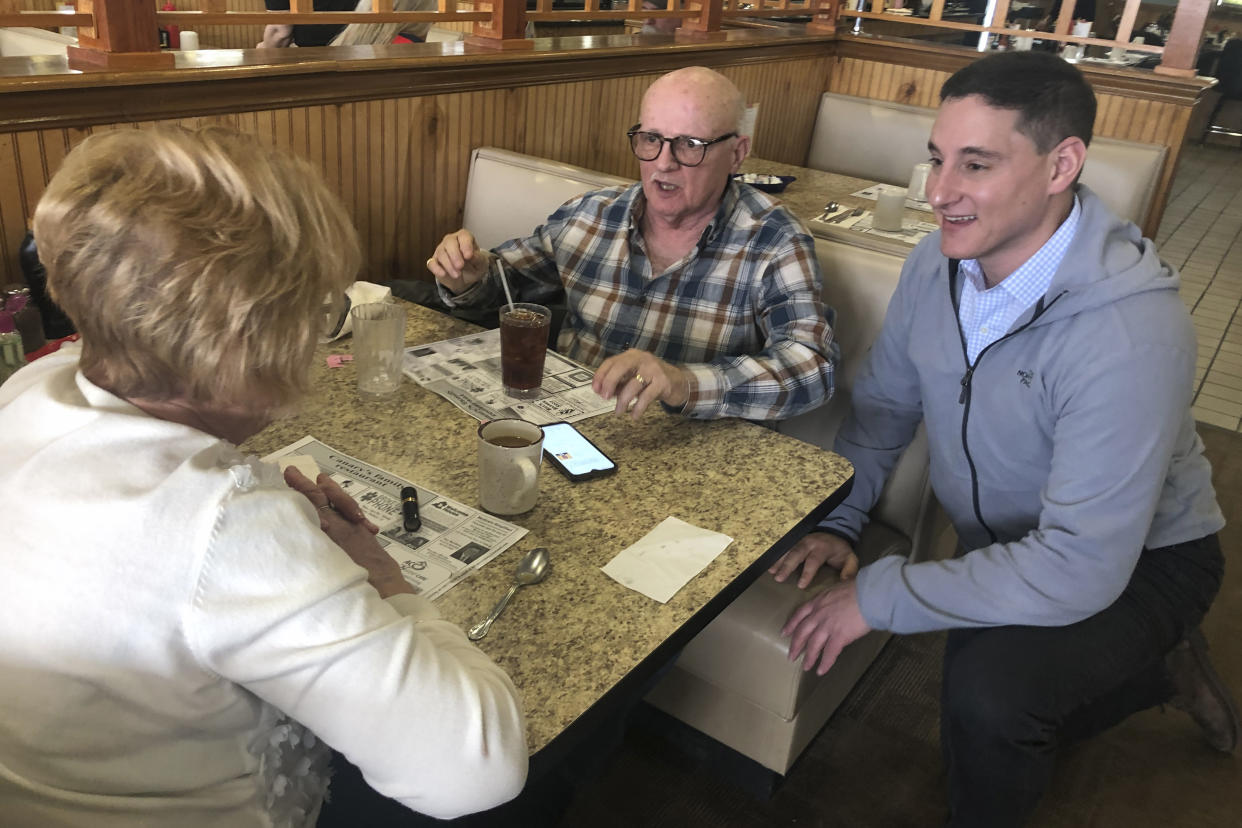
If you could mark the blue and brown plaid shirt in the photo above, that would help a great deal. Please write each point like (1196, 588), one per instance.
(741, 312)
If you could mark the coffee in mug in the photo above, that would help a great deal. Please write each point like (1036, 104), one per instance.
(510, 456)
(509, 441)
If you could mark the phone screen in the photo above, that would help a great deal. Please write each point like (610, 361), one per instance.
(574, 453)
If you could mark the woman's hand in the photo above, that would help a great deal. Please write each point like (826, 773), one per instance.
(342, 520)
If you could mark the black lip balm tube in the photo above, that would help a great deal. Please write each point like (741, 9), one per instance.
(409, 509)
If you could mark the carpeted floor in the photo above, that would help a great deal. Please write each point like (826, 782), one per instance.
(877, 762)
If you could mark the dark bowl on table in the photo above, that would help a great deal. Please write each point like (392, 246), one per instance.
(767, 183)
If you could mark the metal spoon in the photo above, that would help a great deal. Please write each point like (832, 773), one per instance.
(829, 208)
(530, 570)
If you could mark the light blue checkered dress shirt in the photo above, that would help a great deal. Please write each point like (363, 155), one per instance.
(986, 314)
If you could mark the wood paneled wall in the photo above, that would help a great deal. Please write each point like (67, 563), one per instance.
(226, 37)
(1118, 116)
(214, 37)
(1125, 110)
(400, 164)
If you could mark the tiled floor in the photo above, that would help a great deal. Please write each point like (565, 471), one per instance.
(1201, 234)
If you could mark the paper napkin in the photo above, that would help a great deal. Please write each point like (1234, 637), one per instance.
(666, 558)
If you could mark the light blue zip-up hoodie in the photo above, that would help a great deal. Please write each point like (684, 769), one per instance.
(1065, 450)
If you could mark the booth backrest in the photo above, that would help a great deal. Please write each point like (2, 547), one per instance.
(509, 194)
(875, 140)
(882, 141)
(22, 40)
(858, 284)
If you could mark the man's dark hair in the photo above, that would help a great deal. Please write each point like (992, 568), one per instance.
(1052, 98)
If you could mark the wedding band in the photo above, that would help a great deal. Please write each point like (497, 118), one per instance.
(641, 381)
(327, 506)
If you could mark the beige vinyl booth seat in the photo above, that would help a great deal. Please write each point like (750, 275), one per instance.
(509, 194)
(733, 681)
(882, 141)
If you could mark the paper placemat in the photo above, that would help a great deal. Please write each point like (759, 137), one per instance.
(872, 193)
(912, 232)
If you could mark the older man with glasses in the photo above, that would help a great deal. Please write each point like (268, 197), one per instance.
(686, 288)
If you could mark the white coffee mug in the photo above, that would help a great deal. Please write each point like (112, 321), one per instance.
(510, 455)
(890, 206)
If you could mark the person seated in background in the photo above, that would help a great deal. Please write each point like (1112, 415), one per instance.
(183, 634)
(364, 34)
(355, 34)
(281, 35)
(1044, 344)
(659, 25)
(686, 288)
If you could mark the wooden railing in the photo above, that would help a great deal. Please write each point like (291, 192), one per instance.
(122, 34)
(1178, 55)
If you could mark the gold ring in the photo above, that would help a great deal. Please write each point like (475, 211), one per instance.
(641, 381)
(429, 261)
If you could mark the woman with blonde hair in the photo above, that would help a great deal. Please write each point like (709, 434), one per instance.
(363, 34)
(180, 628)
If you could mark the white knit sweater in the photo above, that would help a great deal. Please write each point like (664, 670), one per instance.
(173, 621)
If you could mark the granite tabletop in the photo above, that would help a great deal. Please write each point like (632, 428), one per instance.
(810, 193)
(570, 640)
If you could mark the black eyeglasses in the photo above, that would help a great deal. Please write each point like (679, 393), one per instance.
(687, 151)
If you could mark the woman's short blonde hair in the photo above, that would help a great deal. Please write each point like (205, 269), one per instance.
(195, 264)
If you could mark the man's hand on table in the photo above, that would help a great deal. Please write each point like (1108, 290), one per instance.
(813, 552)
(640, 378)
(458, 263)
(822, 627)
(342, 520)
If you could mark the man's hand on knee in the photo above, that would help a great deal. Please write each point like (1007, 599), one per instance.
(821, 628)
(813, 552)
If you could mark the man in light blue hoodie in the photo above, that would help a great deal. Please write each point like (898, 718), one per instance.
(1044, 344)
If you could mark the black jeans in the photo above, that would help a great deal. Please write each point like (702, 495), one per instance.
(1012, 695)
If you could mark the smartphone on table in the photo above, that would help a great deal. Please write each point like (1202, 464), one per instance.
(573, 454)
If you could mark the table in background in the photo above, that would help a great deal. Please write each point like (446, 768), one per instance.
(807, 196)
(580, 639)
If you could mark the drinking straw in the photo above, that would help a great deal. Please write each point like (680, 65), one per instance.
(504, 283)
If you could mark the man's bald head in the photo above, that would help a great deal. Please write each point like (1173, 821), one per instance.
(698, 88)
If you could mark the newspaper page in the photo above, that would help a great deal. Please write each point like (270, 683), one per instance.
(466, 372)
(453, 541)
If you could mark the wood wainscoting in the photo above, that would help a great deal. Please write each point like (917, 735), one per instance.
(400, 159)
(210, 37)
(1132, 105)
(392, 127)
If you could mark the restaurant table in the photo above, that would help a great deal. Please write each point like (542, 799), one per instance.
(579, 645)
(813, 189)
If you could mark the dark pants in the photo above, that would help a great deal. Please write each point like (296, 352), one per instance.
(1013, 695)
